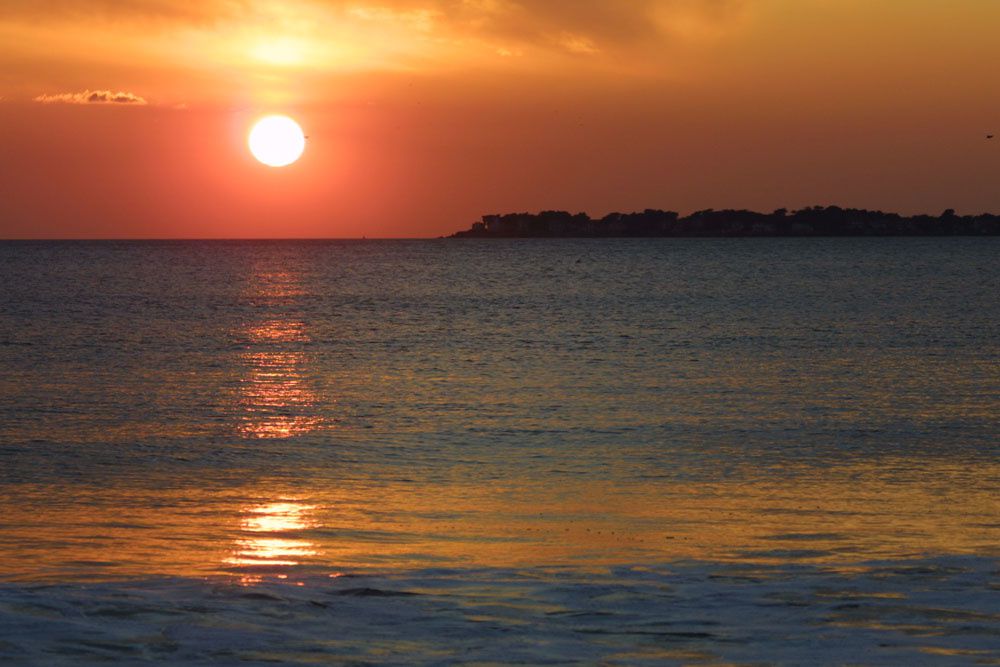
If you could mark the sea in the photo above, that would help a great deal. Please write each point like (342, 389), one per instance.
(485, 451)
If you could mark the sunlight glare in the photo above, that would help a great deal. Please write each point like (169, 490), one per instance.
(276, 141)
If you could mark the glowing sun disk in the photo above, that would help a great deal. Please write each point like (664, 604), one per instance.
(276, 141)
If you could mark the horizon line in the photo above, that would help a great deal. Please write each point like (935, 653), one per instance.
(218, 238)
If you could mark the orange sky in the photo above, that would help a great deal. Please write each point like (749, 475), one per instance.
(424, 114)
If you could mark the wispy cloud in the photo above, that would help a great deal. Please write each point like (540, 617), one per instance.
(277, 49)
(584, 27)
(574, 26)
(153, 10)
(93, 97)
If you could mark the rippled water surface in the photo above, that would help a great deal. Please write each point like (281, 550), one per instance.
(767, 450)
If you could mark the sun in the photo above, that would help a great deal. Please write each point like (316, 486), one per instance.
(277, 141)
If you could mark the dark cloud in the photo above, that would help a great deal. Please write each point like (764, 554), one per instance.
(93, 97)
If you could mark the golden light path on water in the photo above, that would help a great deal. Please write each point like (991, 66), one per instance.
(274, 385)
(268, 539)
(847, 515)
(275, 399)
(272, 388)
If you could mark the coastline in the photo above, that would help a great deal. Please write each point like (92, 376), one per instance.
(816, 221)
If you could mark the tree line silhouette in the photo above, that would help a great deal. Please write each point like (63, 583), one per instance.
(812, 221)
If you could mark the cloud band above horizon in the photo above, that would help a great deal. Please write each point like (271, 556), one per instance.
(93, 97)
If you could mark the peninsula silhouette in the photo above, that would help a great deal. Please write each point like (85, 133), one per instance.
(812, 221)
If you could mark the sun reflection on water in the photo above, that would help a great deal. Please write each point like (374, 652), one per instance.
(275, 398)
(268, 538)
(277, 331)
(276, 285)
(274, 395)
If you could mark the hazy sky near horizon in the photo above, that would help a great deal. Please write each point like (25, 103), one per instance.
(128, 118)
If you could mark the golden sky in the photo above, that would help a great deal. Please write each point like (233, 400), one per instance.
(128, 118)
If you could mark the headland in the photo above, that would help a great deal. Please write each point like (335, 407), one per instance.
(812, 221)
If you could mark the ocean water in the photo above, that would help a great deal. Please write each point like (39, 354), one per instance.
(659, 451)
